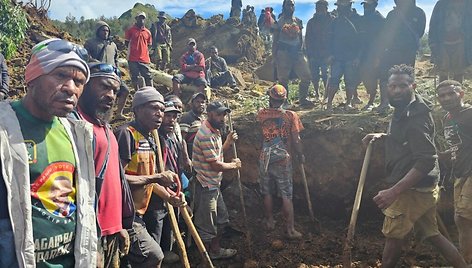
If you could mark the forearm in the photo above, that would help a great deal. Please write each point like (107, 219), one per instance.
(139, 180)
(161, 192)
(408, 181)
(222, 166)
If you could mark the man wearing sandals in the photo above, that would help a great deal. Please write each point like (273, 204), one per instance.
(280, 131)
(211, 215)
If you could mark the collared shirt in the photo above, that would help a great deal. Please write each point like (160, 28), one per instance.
(207, 148)
(139, 39)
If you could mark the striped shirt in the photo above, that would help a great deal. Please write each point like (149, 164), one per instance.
(207, 148)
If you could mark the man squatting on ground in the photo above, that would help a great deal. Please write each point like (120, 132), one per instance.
(211, 214)
(281, 140)
(138, 147)
(45, 218)
(410, 158)
(458, 133)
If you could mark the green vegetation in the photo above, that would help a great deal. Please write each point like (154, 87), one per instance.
(85, 28)
(13, 25)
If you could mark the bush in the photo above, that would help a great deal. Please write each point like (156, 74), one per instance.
(13, 25)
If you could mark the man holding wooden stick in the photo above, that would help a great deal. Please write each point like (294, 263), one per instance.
(211, 214)
(410, 159)
(280, 131)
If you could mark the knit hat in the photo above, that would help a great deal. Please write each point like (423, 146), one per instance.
(145, 95)
(277, 92)
(53, 53)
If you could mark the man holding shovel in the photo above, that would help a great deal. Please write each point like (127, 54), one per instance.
(280, 131)
(410, 160)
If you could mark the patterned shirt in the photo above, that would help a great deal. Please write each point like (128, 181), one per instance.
(207, 148)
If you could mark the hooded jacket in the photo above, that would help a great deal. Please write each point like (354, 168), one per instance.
(100, 49)
(437, 27)
(410, 144)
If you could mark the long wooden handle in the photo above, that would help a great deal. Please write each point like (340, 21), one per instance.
(355, 208)
(196, 237)
(170, 209)
(307, 193)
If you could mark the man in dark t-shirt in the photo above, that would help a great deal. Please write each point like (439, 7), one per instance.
(458, 133)
(192, 120)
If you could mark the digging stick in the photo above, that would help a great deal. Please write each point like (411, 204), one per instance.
(170, 208)
(241, 195)
(188, 243)
(307, 192)
(355, 209)
(196, 237)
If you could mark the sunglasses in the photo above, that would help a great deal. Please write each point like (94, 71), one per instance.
(105, 68)
(169, 104)
(64, 47)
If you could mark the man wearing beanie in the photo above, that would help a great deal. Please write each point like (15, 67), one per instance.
(44, 157)
(281, 142)
(102, 49)
(94, 105)
(138, 149)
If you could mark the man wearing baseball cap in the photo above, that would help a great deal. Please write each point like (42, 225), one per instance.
(44, 157)
(138, 149)
(192, 67)
(281, 142)
(161, 41)
(94, 106)
(138, 39)
(211, 215)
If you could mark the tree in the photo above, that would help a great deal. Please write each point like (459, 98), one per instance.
(13, 26)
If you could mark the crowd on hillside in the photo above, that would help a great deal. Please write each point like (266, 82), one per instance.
(76, 193)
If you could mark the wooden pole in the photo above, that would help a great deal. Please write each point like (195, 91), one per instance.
(355, 209)
(307, 192)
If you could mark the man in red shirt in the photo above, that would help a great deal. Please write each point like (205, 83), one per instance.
(94, 106)
(138, 39)
(192, 67)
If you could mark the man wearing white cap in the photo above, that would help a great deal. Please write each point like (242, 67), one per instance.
(44, 157)
(139, 39)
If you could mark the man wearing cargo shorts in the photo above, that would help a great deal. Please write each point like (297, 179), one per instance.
(458, 133)
(280, 131)
(288, 53)
(162, 41)
(410, 160)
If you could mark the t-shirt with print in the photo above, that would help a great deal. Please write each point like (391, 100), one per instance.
(458, 134)
(279, 123)
(52, 167)
(289, 29)
(207, 148)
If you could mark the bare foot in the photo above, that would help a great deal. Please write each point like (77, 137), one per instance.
(270, 224)
(294, 234)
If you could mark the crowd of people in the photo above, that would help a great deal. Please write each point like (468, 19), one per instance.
(76, 193)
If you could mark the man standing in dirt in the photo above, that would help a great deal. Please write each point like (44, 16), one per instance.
(458, 133)
(4, 78)
(47, 180)
(410, 158)
(138, 147)
(192, 68)
(372, 23)
(317, 44)
(406, 22)
(236, 6)
(161, 41)
(211, 215)
(281, 141)
(345, 53)
(450, 38)
(94, 106)
(217, 71)
(138, 39)
(287, 51)
(192, 120)
(102, 49)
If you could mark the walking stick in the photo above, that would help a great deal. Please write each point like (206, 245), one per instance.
(355, 209)
(241, 195)
(170, 208)
(307, 194)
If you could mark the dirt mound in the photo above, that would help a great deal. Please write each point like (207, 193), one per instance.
(235, 42)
